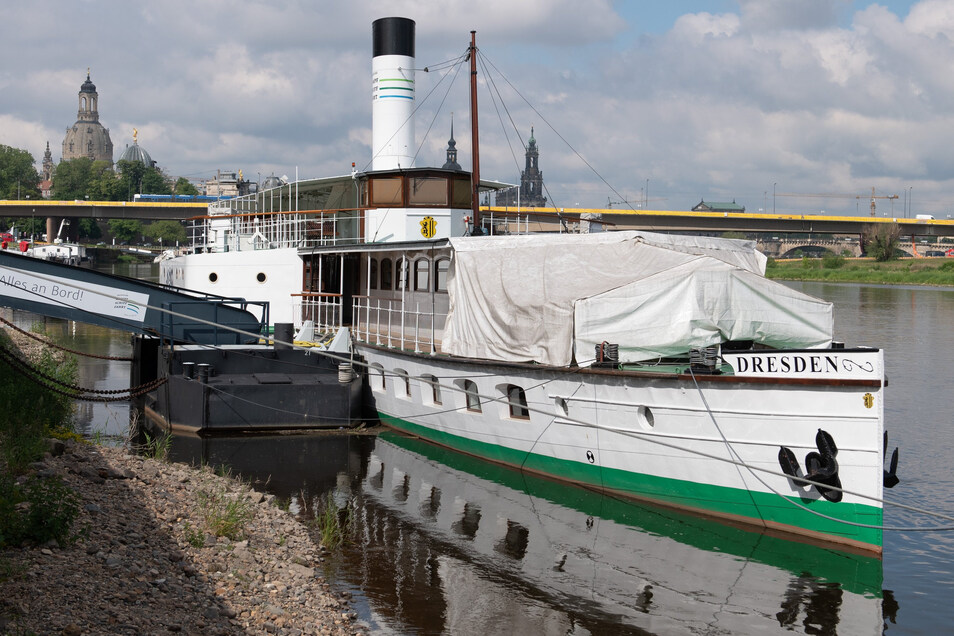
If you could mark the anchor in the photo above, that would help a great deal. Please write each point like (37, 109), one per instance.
(891, 478)
(821, 467)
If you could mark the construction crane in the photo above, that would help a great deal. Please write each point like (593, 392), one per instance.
(837, 195)
(873, 197)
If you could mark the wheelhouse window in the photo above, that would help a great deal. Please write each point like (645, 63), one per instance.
(373, 264)
(427, 191)
(387, 191)
(473, 398)
(462, 195)
(518, 402)
(387, 276)
(440, 281)
(421, 275)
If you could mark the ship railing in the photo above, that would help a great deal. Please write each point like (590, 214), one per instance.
(392, 323)
(245, 231)
(325, 310)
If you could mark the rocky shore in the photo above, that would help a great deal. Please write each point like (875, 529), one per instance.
(144, 563)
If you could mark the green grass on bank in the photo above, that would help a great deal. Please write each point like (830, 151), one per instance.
(906, 271)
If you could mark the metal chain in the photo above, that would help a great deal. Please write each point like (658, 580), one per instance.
(60, 347)
(78, 392)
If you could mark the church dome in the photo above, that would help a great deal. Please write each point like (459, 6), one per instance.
(136, 152)
(88, 86)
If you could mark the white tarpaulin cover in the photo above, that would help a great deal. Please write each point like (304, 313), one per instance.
(512, 297)
(697, 304)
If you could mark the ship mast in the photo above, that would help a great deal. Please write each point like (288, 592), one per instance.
(475, 175)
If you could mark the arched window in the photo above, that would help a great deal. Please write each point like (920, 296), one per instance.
(432, 382)
(518, 402)
(387, 276)
(402, 385)
(440, 281)
(421, 274)
(373, 263)
(377, 377)
(473, 399)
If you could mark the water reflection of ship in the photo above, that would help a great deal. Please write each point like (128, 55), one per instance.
(582, 562)
(446, 543)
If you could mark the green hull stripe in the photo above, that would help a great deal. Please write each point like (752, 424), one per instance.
(702, 497)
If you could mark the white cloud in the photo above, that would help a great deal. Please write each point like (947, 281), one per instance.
(795, 92)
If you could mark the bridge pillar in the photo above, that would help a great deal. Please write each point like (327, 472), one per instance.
(70, 231)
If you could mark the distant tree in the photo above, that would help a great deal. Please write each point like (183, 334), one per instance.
(184, 187)
(89, 229)
(135, 178)
(880, 241)
(734, 235)
(125, 230)
(168, 231)
(76, 179)
(18, 175)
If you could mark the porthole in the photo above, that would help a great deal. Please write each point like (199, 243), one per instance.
(213, 277)
(260, 277)
(645, 417)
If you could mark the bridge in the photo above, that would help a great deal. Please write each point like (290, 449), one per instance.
(539, 219)
(708, 222)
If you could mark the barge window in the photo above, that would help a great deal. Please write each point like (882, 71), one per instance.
(518, 402)
(427, 191)
(473, 399)
(421, 271)
(386, 275)
(440, 281)
(387, 191)
(374, 273)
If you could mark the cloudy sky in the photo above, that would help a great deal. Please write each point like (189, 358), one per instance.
(719, 100)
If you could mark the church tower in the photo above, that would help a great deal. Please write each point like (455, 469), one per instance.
(451, 163)
(47, 164)
(531, 182)
(87, 137)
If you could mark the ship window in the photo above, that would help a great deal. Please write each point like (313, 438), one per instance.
(421, 272)
(260, 277)
(427, 191)
(431, 381)
(374, 273)
(403, 267)
(213, 277)
(402, 387)
(386, 275)
(377, 377)
(461, 193)
(440, 282)
(518, 402)
(386, 191)
(473, 398)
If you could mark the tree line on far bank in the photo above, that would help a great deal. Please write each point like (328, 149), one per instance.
(85, 179)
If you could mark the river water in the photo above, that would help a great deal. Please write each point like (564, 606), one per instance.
(443, 543)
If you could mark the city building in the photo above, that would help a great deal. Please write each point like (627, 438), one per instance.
(87, 137)
(715, 206)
